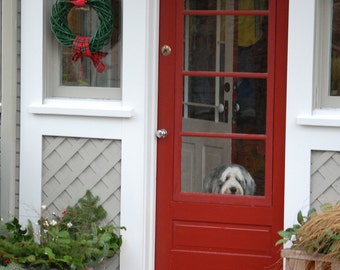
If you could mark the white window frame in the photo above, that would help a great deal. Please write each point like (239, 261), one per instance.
(52, 52)
(322, 61)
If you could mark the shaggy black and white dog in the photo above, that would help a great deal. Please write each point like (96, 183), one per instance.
(233, 179)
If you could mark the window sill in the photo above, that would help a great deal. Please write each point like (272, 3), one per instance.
(92, 108)
(320, 117)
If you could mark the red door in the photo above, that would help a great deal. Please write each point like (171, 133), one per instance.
(222, 75)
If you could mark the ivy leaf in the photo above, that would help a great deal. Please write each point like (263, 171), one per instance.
(64, 234)
(281, 241)
(67, 259)
(300, 218)
(49, 253)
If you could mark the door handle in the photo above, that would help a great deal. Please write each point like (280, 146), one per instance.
(161, 133)
(166, 50)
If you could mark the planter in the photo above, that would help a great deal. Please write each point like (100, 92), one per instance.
(300, 260)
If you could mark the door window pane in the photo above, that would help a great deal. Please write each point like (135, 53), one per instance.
(226, 43)
(224, 94)
(226, 4)
(211, 98)
(205, 163)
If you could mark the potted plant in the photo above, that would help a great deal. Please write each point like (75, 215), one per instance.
(74, 240)
(315, 240)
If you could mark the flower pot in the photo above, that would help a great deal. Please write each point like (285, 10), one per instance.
(300, 260)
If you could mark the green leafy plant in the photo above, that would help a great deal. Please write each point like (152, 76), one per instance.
(289, 235)
(316, 233)
(74, 240)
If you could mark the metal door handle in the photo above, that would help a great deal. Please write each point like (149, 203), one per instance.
(220, 107)
(166, 50)
(161, 133)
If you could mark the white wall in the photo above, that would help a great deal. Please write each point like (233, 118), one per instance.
(306, 129)
(133, 121)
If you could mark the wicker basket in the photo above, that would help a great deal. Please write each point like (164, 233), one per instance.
(300, 260)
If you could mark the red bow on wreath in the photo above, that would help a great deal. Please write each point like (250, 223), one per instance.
(81, 48)
(78, 3)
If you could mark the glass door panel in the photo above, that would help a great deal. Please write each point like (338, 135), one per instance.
(226, 4)
(225, 91)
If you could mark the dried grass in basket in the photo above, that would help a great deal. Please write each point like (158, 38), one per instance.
(321, 234)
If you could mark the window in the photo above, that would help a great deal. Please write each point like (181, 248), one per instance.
(327, 52)
(79, 79)
(335, 50)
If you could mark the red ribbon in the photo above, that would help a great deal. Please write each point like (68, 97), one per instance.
(81, 48)
(78, 3)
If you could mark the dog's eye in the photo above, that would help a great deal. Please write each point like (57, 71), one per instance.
(241, 181)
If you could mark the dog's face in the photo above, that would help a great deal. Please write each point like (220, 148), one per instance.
(232, 181)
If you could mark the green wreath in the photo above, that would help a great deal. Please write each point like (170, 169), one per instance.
(83, 46)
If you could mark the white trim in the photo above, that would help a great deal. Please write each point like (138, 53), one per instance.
(139, 143)
(31, 92)
(8, 108)
(150, 140)
(299, 139)
(102, 108)
(320, 118)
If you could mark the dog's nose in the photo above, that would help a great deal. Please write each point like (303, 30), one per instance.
(233, 190)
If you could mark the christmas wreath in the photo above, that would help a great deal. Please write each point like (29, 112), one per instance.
(83, 46)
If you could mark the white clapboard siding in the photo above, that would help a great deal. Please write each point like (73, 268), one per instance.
(10, 108)
(325, 177)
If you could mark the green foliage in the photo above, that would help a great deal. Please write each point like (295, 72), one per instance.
(289, 235)
(316, 233)
(73, 241)
(81, 212)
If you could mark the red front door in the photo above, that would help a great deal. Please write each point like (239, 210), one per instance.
(222, 73)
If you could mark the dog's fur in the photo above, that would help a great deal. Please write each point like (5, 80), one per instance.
(233, 179)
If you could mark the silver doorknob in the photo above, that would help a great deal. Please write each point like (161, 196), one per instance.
(220, 108)
(161, 133)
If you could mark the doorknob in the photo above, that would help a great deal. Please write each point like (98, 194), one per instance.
(161, 133)
(220, 108)
(166, 50)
